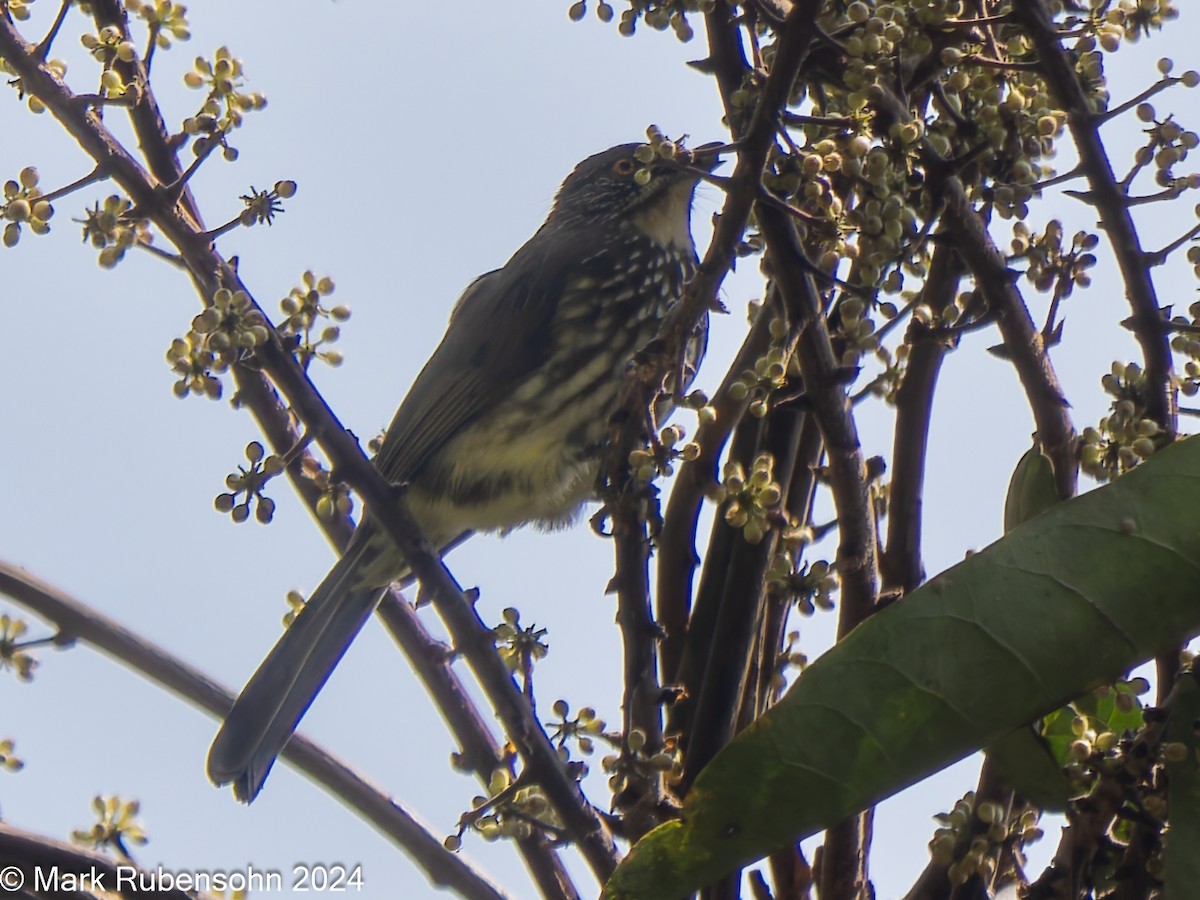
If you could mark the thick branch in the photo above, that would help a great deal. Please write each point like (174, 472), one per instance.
(741, 612)
(901, 564)
(844, 865)
(826, 396)
(856, 555)
(702, 626)
(753, 146)
(76, 621)
(677, 558)
(754, 143)
(35, 856)
(625, 502)
(641, 706)
(1111, 202)
(996, 282)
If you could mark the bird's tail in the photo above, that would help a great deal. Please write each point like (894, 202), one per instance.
(277, 695)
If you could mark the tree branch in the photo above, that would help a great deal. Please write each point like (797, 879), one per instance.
(35, 857)
(844, 862)
(677, 558)
(1111, 201)
(901, 563)
(75, 620)
(995, 281)
(210, 271)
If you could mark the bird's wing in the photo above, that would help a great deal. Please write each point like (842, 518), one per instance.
(499, 332)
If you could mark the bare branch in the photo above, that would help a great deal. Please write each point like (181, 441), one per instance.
(901, 563)
(76, 621)
(33, 856)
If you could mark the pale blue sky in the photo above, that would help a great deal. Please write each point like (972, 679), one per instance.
(427, 146)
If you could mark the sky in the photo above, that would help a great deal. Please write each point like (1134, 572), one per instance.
(427, 147)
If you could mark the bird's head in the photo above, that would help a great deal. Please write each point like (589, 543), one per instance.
(628, 182)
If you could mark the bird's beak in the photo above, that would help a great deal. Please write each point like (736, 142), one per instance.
(708, 156)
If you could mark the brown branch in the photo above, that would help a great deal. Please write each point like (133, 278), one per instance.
(145, 114)
(791, 270)
(901, 563)
(755, 140)
(471, 636)
(625, 503)
(641, 706)
(43, 47)
(75, 620)
(1111, 202)
(1023, 341)
(996, 282)
(740, 604)
(844, 861)
(91, 178)
(35, 857)
(846, 855)
(677, 558)
(798, 502)
(1158, 257)
(702, 625)
(828, 400)
(1137, 100)
(754, 143)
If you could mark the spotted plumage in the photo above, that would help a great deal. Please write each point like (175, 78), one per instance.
(505, 423)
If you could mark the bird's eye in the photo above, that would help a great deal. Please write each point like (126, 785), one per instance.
(623, 167)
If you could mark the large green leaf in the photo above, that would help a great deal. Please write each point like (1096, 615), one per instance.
(1069, 600)
(1183, 787)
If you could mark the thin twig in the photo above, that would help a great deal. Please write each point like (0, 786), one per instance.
(1158, 257)
(1159, 86)
(43, 48)
(97, 174)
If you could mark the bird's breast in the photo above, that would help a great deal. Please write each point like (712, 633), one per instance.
(533, 457)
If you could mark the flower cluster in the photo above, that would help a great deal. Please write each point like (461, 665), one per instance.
(225, 106)
(13, 652)
(116, 826)
(247, 484)
(112, 227)
(305, 315)
(23, 205)
(1125, 436)
(224, 333)
(752, 502)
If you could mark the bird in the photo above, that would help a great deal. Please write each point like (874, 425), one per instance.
(505, 424)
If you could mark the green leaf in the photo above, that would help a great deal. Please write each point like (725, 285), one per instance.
(1025, 762)
(1031, 489)
(1023, 759)
(1183, 794)
(1066, 602)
